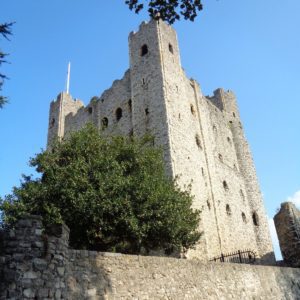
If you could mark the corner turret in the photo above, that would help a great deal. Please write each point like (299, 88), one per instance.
(59, 109)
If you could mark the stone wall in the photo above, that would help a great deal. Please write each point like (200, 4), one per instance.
(37, 266)
(287, 223)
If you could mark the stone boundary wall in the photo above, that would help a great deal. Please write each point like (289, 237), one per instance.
(36, 266)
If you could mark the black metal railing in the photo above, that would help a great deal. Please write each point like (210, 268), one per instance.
(240, 257)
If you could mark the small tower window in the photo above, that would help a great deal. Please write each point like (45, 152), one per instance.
(208, 204)
(242, 195)
(198, 141)
(131, 133)
(225, 186)
(244, 217)
(228, 210)
(119, 113)
(229, 140)
(147, 111)
(171, 48)
(104, 123)
(220, 157)
(193, 111)
(90, 110)
(255, 219)
(214, 129)
(52, 122)
(130, 105)
(144, 50)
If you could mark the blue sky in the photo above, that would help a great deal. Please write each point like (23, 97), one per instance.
(251, 47)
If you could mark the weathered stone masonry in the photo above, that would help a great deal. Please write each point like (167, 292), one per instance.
(37, 266)
(202, 138)
(287, 222)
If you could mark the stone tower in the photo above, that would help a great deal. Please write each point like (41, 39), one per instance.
(202, 138)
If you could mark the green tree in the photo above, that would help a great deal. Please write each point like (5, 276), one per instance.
(112, 193)
(5, 31)
(167, 10)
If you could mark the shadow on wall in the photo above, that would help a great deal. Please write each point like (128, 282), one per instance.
(267, 259)
(288, 284)
(38, 266)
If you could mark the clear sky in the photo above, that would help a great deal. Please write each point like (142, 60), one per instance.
(250, 47)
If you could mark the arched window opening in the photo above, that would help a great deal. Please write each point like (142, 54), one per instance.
(119, 113)
(131, 133)
(144, 50)
(130, 105)
(233, 114)
(214, 129)
(228, 210)
(198, 141)
(208, 204)
(90, 110)
(229, 140)
(193, 111)
(147, 111)
(104, 123)
(52, 122)
(242, 195)
(220, 157)
(244, 217)
(225, 186)
(171, 48)
(255, 219)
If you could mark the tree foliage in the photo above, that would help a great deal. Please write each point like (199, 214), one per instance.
(5, 31)
(112, 193)
(167, 10)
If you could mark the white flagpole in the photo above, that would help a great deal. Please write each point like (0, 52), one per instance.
(68, 77)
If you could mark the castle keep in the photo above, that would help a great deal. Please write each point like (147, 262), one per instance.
(202, 139)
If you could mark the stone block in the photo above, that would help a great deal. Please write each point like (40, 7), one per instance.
(61, 271)
(31, 275)
(43, 293)
(91, 292)
(29, 293)
(38, 232)
(57, 294)
(26, 282)
(40, 264)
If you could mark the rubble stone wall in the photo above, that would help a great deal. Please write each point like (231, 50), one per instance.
(38, 266)
(287, 223)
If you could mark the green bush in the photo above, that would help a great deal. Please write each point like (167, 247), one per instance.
(112, 193)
